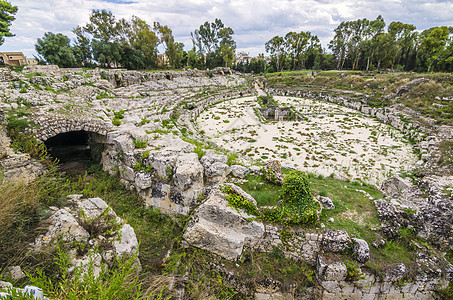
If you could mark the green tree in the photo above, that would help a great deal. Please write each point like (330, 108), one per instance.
(7, 12)
(102, 25)
(173, 50)
(82, 47)
(55, 49)
(374, 29)
(215, 42)
(339, 44)
(404, 37)
(106, 53)
(276, 48)
(433, 43)
(142, 37)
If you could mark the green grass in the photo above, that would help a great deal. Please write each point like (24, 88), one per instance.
(264, 192)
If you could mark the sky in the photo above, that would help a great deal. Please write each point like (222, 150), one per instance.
(253, 21)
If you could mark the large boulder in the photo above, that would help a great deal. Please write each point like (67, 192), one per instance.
(361, 250)
(92, 223)
(189, 172)
(215, 166)
(239, 171)
(336, 241)
(222, 229)
(62, 224)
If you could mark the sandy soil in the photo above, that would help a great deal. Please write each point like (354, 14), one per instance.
(330, 139)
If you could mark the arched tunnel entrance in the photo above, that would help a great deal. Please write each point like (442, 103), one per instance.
(76, 151)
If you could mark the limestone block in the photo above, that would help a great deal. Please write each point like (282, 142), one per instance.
(361, 250)
(221, 229)
(239, 171)
(336, 241)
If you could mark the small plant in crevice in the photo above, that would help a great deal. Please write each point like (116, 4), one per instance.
(140, 143)
(353, 271)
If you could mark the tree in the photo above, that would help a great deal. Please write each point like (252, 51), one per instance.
(55, 49)
(7, 12)
(276, 47)
(106, 53)
(433, 43)
(102, 25)
(215, 42)
(374, 29)
(343, 35)
(173, 50)
(403, 36)
(142, 37)
(82, 47)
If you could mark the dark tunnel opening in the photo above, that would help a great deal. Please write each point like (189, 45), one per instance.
(74, 150)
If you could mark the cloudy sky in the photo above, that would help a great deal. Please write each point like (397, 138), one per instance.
(254, 21)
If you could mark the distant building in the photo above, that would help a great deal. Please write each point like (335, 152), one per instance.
(242, 57)
(16, 59)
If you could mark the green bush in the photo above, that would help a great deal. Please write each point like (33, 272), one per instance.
(298, 204)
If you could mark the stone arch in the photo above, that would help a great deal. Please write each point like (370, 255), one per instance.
(51, 127)
(73, 141)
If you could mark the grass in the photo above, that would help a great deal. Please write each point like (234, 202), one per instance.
(23, 209)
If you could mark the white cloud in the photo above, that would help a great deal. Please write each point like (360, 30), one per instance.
(254, 21)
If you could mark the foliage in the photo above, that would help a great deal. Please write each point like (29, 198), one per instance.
(116, 283)
(239, 202)
(354, 272)
(140, 143)
(55, 49)
(214, 45)
(116, 121)
(7, 12)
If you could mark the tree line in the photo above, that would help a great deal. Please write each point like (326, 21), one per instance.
(357, 45)
(134, 44)
(361, 45)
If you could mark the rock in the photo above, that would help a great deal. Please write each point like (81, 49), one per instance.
(256, 170)
(5, 285)
(379, 243)
(395, 185)
(91, 259)
(407, 88)
(326, 202)
(128, 243)
(221, 229)
(395, 274)
(273, 171)
(189, 172)
(217, 171)
(64, 225)
(332, 272)
(336, 241)
(361, 250)
(93, 208)
(211, 157)
(16, 272)
(143, 180)
(239, 171)
(241, 192)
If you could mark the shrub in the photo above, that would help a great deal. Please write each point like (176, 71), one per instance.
(298, 204)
